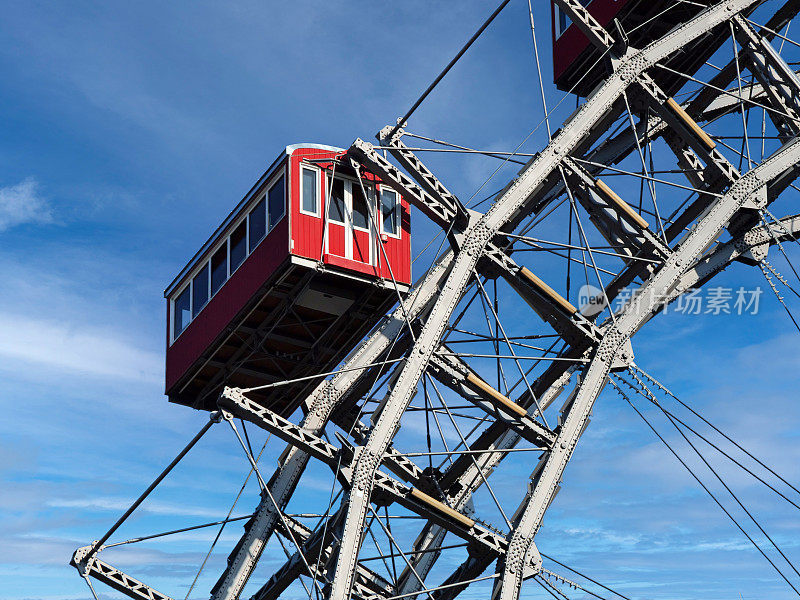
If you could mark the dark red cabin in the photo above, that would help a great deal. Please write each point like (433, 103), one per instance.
(299, 271)
(578, 66)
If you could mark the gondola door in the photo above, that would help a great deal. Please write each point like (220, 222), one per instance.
(350, 228)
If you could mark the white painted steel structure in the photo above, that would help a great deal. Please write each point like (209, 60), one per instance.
(722, 220)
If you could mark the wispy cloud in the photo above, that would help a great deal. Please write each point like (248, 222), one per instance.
(142, 157)
(76, 311)
(21, 203)
(109, 503)
(82, 350)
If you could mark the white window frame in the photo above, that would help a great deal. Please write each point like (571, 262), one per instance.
(227, 259)
(316, 172)
(349, 182)
(227, 242)
(329, 203)
(246, 221)
(398, 215)
(200, 267)
(349, 225)
(273, 183)
(172, 302)
(371, 196)
(557, 24)
(266, 221)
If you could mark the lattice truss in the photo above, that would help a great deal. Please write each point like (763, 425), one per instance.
(448, 429)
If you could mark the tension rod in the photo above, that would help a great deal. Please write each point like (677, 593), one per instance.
(476, 35)
(214, 418)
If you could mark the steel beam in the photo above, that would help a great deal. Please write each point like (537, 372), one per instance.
(320, 405)
(779, 81)
(444, 214)
(532, 180)
(464, 381)
(584, 20)
(748, 189)
(623, 227)
(344, 461)
(89, 565)
(682, 35)
(423, 176)
(750, 247)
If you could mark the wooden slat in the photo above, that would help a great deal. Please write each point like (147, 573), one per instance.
(442, 508)
(691, 124)
(548, 291)
(494, 396)
(612, 197)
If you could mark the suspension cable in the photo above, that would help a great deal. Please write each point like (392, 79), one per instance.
(661, 386)
(214, 418)
(703, 485)
(546, 574)
(652, 399)
(774, 288)
(225, 521)
(605, 587)
(733, 495)
(181, 530)
(449, 66)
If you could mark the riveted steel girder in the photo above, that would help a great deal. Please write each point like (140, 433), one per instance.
(342, 462)
(423, 176)
(535, 179)
(581, 17)
(480, 247)
(325, 398)
(654, 292)
(778, 80)
(748, 247)
(89, 565)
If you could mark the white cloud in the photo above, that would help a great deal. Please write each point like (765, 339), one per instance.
(86, 350)
(113, 504)
(79, 312)
(21, 204)
(41, 550)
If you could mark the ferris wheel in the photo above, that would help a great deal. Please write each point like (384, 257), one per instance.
(445, 412)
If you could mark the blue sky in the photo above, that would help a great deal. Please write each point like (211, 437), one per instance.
(130, 129)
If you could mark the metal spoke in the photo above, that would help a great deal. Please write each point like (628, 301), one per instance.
(661, 116)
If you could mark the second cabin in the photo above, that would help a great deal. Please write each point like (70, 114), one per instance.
(301, 269)
(578, 66)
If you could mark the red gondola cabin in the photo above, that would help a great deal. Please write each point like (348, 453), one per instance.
(299, 271)
(578, 65)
